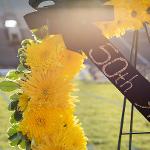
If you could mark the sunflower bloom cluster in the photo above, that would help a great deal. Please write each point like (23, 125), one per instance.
(47, 105)
(128, 15)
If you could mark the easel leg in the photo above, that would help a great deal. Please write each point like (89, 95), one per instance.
(146, 30)
(133, 56)
(131, 127)
(133, 61)
(121, 124)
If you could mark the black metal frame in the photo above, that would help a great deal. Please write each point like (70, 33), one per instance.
(133, 61)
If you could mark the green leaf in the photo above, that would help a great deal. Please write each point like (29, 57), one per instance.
(13, 143)
(8, 86)
(22, 60)
(18, 115)
(21, 50)
(12, 119)
(15, 97)
(22, 68)
(15, 139)
(22, 56)
(12, 130)
(23, 142)
(13, 105)
(13, 75)
(12, 137)
(28, 145)
(20, 137)
(22, 145)
(26, 42)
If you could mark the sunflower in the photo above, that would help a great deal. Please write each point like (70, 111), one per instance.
(72, 63)
(40, 121)
(65, 139)
(136, 16)
(146, 13)
(23, 102)
(49, 111)
(111, 29)
(48, 87)
(52, 53)
(118, 26)
(129, 15)
(45, 53)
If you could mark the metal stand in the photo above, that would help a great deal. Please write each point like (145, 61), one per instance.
(133, 61)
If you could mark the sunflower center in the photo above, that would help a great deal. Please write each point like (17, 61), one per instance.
(119, 22)
(134, 13)
(45, 55)
(148, 10)
(45, 92)
(40, 122)
(65, 125)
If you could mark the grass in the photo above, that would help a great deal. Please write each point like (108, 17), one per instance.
(99, 111)
(4, 119)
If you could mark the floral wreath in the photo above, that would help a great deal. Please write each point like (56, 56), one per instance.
(42, 106)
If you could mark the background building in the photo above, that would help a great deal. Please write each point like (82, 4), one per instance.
(12, 30)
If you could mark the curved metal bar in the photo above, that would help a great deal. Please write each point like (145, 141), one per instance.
(35, 3)
(125, 99)
(147, 32)
(135, 133)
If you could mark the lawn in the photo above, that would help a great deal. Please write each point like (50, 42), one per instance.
(4, 119)
(99, 111)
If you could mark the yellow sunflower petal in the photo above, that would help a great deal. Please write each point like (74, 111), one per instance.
(23, 102)
(68, 139)
(46, 53)
(49, 88)
(39, 121)
(128, 15)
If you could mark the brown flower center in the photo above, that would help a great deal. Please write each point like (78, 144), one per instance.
(148, 10)
(134, 14)
(45, 92)
(40, 122)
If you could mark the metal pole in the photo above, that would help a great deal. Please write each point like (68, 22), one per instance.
(125, 99)
(131, 127)
(146, 30)
(132, 107)
(121, 124)
(133, 61)
(136, 133)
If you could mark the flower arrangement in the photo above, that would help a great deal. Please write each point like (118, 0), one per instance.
(129, 15)
(43, 108)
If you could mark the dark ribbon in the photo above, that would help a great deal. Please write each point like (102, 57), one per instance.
(120, 72)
